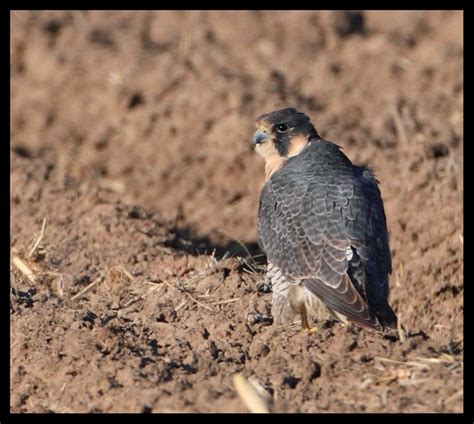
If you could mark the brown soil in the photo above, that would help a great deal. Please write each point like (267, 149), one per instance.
(130, 135)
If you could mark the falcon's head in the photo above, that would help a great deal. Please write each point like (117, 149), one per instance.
(280, 135)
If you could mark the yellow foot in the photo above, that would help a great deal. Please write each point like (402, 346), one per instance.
(304, 322)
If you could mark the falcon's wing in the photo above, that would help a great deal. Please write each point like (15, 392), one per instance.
(371, 242)
(313, 227)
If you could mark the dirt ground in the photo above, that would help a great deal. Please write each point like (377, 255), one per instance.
(131, 141)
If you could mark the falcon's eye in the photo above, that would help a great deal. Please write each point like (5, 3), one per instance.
(282, 128)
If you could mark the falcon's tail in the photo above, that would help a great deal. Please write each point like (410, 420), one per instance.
(345, 300)
(386, 316)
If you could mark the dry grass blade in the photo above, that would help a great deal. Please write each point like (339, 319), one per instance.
(38, 240)
(407, 363)
(442, 359)
(412, 382)
(86, 289)
(222, 302)
(154, 287)
(181, 305)
(112, 185)
(127, 273)
(401, 331)
(24, 269)
(249, 395)
(202, 305)
(397, 120)
(387, 379)
(199, 303)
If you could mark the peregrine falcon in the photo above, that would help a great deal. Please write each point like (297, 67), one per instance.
(322, 225)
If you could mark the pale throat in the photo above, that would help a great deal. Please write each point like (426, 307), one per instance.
(273, 160)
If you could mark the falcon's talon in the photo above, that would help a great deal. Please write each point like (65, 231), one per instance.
(265, 286)
(263, 319)
(305, 323)
(304, 318)
(322, 225)
(313, 329)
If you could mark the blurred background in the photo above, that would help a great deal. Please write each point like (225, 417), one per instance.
(159, 107)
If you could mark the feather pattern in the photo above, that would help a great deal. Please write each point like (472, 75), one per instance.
(313, 211)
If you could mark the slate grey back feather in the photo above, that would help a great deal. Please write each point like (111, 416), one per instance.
(322, 223)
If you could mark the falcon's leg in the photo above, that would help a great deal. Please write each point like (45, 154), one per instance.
(304, 321)
(289, 299)
(298, 300)
(282, 308)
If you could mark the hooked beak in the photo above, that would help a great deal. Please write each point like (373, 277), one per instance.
(259, 137)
